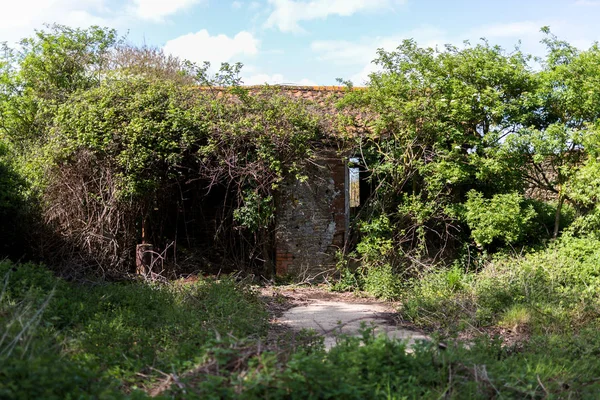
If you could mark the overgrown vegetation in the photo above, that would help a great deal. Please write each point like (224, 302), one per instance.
(376, 367)
(63, 339)
(552, 290)
(127, 341)
(482, 218)
(119, 146)
(473, 152)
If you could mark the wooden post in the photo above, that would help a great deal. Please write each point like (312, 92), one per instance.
(143, 258)
(143, 252)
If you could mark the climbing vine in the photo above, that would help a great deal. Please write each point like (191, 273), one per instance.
(139, 150)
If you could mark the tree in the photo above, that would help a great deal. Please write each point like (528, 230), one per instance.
(554, 141)
(440, 118)
(43, 71)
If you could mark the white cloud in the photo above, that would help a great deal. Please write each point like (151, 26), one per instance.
(344, 52)
(201, 46)
(19, 18)
(361, 77)
(357, 55)
(236, 5)
(288, 13)
(260, 79)
(529, 34)
(360, 54)
(306, 82)
(157, 10)
(275, 79)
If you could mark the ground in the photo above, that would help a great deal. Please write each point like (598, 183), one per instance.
(329, 314)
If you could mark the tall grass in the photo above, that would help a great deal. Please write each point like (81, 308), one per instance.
(553, 290)
(61, 339)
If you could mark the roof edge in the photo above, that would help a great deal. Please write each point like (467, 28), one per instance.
(291, 87)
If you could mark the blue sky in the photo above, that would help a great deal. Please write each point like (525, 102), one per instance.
(310, 42)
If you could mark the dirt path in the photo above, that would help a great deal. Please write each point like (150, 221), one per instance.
(332, 314)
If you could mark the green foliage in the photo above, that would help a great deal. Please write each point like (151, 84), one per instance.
(152, 140)
(350, 370)
(62, 339)
(256, 213)
(372, 367)
(348, 281)
(144, 128)
(13, 205)
(470, 144)
(439, 299)
(43, 72)
(91, 341)
(62, 60)
(555, 287)
(439, 122)
(382, 282)
(376, 242)
(108, 135)
(505, 216)
(100, 138)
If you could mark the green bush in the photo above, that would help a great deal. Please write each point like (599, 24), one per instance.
(370, 367)
(441, 299)
(382, 282)
(12, 206)
(348, 281)
(357, 368)
(504, 217)
(558, 285)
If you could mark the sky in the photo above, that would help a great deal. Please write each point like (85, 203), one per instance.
(309, 42)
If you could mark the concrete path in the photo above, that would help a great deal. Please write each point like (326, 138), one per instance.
(330, 318)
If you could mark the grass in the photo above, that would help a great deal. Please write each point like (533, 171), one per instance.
(121, 340)
(62, 339)
(379, 368)
(549, 297)
(553, 290)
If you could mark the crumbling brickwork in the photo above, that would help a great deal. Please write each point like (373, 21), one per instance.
(312, 217)
(312, 220)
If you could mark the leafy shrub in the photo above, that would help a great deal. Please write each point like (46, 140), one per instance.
(376, 241)
(504, 217)
(348, 281)
(440, 299)
(382, 282)
(370, 367)
(558, 286)
(357, 368)
(12, 206)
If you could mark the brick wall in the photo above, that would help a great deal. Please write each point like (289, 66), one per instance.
(311, 220)
(311, 217)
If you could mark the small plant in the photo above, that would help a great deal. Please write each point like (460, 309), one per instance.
(517, 318)
(382, 282)
(348, 281)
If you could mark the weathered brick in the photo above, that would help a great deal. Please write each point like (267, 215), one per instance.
(311, 218)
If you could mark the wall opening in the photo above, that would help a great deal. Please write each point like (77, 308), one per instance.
(359, 189)
(354, 182)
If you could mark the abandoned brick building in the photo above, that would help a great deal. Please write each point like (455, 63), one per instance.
(313, 217)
